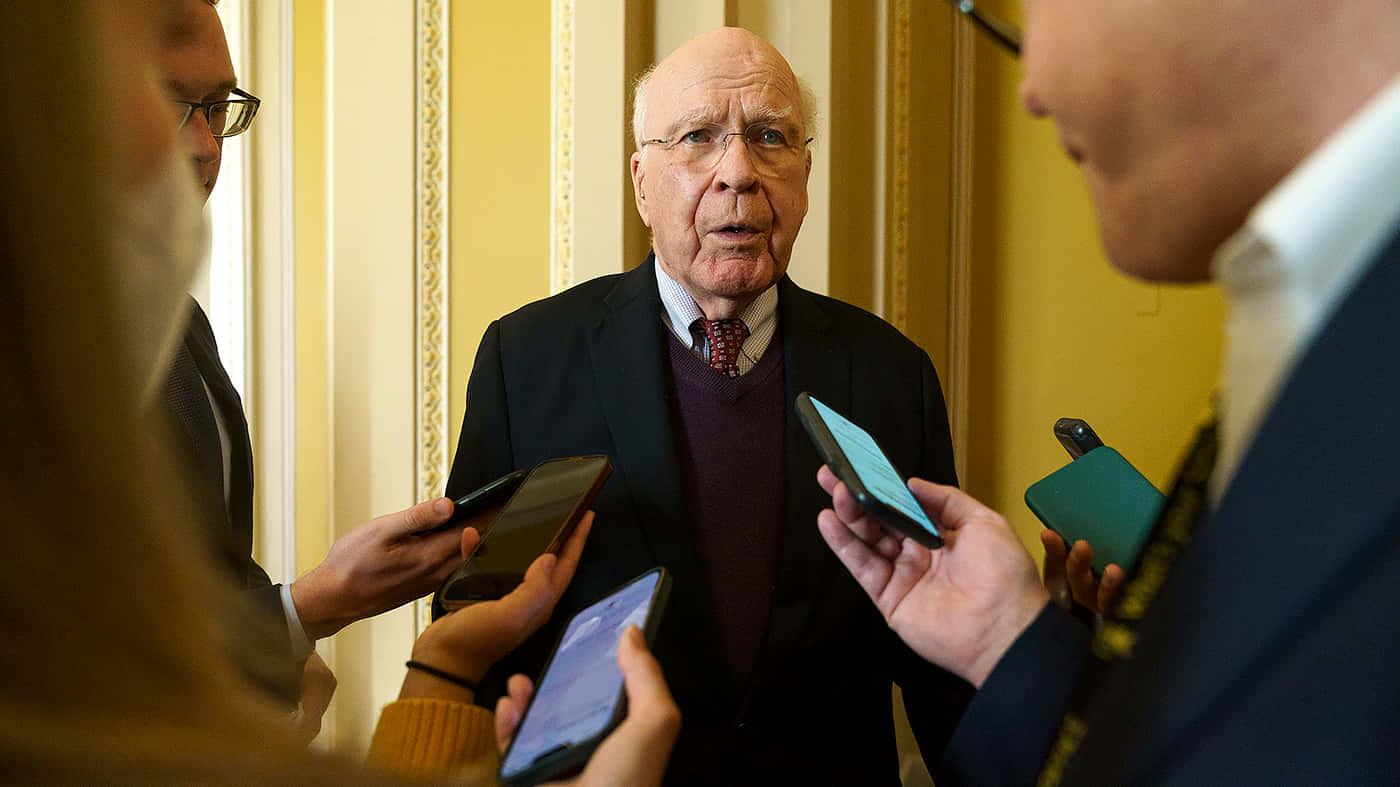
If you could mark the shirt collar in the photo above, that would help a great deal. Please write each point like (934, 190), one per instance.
(681, 311)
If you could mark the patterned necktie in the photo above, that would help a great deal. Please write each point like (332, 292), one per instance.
(726, 338)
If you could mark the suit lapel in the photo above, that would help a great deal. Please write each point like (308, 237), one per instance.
(1307, 501)
(235, 426)
(631, 370)
(815, 362)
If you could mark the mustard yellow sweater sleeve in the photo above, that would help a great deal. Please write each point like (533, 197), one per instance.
(435, 739)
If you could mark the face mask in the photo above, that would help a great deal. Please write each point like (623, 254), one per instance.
(162, 240)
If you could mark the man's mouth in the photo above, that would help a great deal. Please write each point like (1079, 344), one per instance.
(736, 231)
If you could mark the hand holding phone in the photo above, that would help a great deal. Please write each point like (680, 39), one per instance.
(579, 698)
(471, 640)
(482, 503)
(538, 518)
(1102, 499)
(856, 459)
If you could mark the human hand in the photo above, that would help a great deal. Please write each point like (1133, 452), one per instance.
(467, 641)
(378, 566)
(317, 687)
(637, 751)
(960, 606)
(1073, 571)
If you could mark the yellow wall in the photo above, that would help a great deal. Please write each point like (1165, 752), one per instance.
(499, 174)
(309, 204)
(1058, 332)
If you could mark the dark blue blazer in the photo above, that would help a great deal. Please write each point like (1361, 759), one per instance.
(229, 520)
(587, 371)
(1272, 655)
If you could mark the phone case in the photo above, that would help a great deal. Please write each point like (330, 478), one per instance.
(835, 459)
(1102, 499)
(471, 582)
(569, 760)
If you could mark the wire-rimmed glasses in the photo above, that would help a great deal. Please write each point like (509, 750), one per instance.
(701, 149)
(227, 118)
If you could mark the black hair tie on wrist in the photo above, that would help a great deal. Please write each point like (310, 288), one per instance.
(443, 674)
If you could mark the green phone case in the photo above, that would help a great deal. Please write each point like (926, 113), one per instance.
(1102, 499)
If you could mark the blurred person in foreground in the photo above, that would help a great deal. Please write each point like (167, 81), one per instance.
(119, 661)
(1253, 144)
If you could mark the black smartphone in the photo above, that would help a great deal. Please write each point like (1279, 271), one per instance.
(856, 459)
(537, 518)
(579, 697)
(479, 500)
(1076, 436)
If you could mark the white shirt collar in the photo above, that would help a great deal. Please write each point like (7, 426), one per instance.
(1299, 253)
(679, 312)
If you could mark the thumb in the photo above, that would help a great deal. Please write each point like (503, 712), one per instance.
(429, 513)
(648, 696)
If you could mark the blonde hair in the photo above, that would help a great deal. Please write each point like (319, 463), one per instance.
(117, 654)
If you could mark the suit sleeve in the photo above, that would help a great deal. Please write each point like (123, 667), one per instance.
(483, 445)
(1008, 728)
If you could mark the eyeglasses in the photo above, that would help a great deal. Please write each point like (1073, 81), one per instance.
(701, 149)
(1005, 33)
(227, 118)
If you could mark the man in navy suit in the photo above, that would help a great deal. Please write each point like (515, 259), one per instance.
(1253, 144)
(684, 372)
(376, 567)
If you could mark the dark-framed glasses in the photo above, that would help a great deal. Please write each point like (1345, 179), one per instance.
(227, 118)
(770, 148)
(1005, 33)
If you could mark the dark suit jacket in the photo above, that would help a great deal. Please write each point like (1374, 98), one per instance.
(230, 519)
(587, 372)
(1270, 656)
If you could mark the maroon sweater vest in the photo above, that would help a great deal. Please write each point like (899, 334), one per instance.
(732, 460)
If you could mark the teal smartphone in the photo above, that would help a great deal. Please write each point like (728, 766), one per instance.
(1102, 499)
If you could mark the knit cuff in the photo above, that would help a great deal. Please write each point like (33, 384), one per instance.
(433, 739)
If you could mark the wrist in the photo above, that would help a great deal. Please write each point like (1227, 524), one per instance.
(999, 637)
(315, 598)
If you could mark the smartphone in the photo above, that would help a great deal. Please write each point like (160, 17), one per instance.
(537, 518)
(1102, 499)
(479, 500)
(856, 459)
(1076, 436)
(579, 697)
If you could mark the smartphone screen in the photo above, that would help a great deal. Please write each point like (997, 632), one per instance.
(868, 462)
(579, 698)
(538, 518)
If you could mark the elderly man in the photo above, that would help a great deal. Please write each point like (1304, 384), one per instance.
(376, 567)
(1253, 144)
(684, 371)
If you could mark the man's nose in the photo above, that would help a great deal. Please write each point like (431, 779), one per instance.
(1031, 101)
(197, 137)
(736, 168)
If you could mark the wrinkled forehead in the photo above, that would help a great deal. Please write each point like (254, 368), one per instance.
(735, 91)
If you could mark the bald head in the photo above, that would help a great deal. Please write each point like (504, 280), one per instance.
(726, 51)
(720, 172)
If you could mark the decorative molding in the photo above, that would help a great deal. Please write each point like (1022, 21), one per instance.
(561, 233)
(432, 253)
(958, 394)
(901, 31)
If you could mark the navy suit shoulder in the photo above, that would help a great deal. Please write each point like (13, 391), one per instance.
(1268, 655)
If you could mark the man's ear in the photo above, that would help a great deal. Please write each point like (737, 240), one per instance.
(639, 193)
